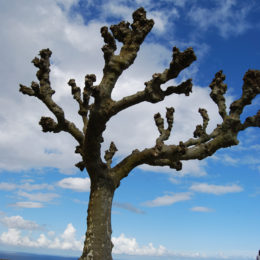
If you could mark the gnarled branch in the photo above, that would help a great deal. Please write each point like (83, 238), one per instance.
(44, 92)
(110, 153)
(204, 145)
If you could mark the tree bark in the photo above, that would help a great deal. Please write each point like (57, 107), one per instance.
(98, 244)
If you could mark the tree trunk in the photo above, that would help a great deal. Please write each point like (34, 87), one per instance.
(98, 244)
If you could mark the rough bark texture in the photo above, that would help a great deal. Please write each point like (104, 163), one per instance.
(104, 178)
(98, 243)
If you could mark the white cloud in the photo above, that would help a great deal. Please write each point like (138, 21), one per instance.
(227, 16)
(27, 204)
(116, 9)
(76, 184)
(46, 26)
(30, 187)
(18, 222)
(66, 241)
(129, 246)
(216, 189)
(7, 186)
(169, 199)
(162, 19)
(76, 51)
(43, 197)
(25, 186)
(201, 209)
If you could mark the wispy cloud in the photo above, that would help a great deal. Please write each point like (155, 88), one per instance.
(128, 206)
(7, 186)
(227, 16)
(216, 189)
(42, 197)
(27, 204)
(201, 209)
(168, 199)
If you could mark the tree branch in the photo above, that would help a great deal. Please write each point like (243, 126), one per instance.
(203, 145)
(145, 95)
(44, 92)
(110, 153)
(164, 133)
(132, 37)
(251, 88)
(218, 89)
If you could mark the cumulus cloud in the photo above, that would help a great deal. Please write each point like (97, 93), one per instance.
(68, 241)
(129, 246)
(74, 55)
(215, 189)
(18, 222)
(76, 184)
(68, 38)
(65, 241)
(169, 199)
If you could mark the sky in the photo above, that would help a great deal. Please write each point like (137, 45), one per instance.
(209, 210)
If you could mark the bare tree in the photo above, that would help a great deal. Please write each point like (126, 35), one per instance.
(96, 112)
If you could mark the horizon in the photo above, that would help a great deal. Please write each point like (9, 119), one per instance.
(209, 210)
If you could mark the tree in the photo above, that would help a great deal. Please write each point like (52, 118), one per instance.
(96, 107)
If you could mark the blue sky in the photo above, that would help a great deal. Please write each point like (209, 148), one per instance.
(209, 210)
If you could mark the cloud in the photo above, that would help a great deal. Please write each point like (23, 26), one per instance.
(30, 187)
(18, 222)
(68, 38)
(228, 17)
(169, 199)
(76, 184)
(216, 189)
(201, 209)
(27, 204)
(76, 51)
(43, 197)
(7, 186)
(129, 246)
(25, 186)
(65, 241)
(128, 206)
